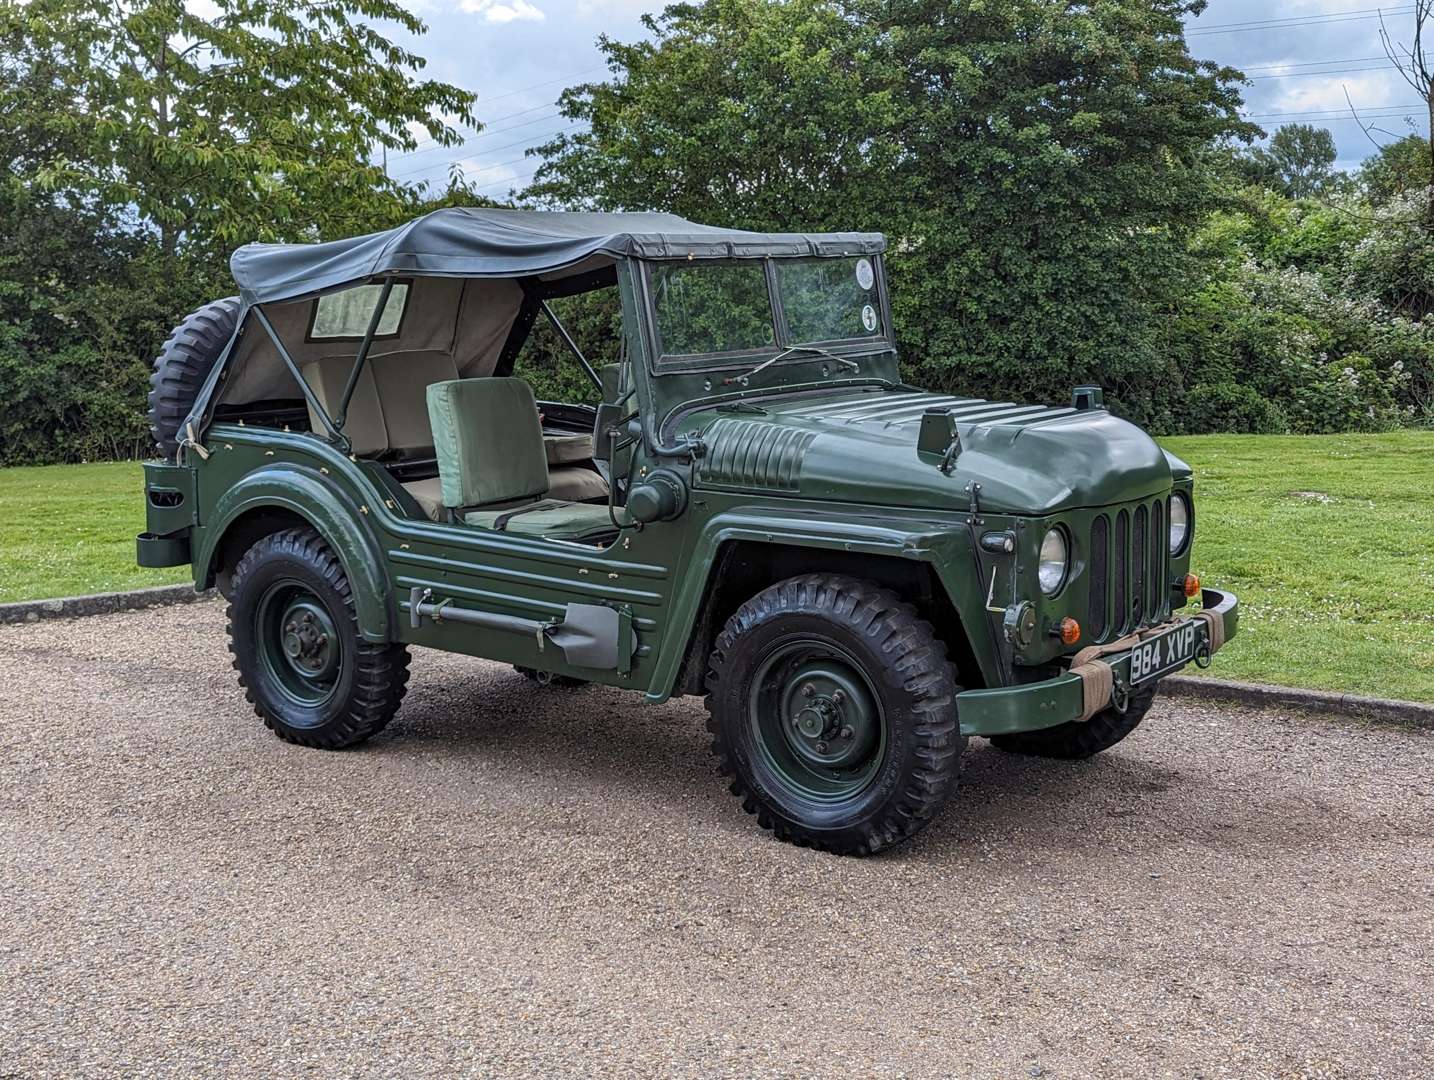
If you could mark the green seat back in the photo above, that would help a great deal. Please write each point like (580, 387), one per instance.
(488, 441)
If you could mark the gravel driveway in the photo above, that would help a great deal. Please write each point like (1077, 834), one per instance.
(552, 882)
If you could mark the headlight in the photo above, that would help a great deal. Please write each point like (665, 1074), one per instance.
(1179, 522)
(1051, 570)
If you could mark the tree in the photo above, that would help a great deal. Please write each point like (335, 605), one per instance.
(1415, 66)
(1399, 167)
(257, 123)
(739, 112)
(1298, 162)
(1034, 164)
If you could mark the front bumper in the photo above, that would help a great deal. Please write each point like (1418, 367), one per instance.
(1032, 706)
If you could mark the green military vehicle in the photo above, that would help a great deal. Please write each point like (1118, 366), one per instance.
(858, 575)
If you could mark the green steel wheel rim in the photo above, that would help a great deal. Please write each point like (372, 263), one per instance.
(816, 721)
(299, 645)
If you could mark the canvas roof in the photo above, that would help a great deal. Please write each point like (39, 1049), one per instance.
(480, 242)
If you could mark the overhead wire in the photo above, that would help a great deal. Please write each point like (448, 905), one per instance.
(1296, 22)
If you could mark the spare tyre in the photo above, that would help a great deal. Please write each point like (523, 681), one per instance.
(181, 367)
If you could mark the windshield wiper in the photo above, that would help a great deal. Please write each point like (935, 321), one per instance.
(790, 350)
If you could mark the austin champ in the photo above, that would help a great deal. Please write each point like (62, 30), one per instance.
(858, 575)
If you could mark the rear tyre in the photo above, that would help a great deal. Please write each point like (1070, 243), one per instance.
(832, 707)
(183, 363)
(1074, 740)
(294, 635)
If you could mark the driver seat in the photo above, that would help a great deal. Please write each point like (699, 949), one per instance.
(492, 465)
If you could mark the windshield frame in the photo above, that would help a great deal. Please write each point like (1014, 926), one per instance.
(741, 359)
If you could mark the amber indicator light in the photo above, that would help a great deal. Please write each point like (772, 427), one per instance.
(1192, 584)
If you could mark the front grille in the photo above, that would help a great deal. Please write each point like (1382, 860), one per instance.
(1127, 570)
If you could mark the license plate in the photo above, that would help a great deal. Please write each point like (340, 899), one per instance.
(1172, 649)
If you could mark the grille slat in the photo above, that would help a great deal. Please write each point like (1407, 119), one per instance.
(1099, 577)
(1122, 563)
(1140, 564)
(1157, 559)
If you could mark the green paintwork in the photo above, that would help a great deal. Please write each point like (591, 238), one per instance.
(808, 454)
(256, 469)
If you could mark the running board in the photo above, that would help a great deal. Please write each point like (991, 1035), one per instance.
(590, 635)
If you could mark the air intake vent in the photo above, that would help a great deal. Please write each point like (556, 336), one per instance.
(752, 453)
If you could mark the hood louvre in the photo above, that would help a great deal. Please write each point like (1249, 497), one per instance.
(752, 453)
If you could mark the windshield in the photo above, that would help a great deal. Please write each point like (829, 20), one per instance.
(713, 309)
(829, 299)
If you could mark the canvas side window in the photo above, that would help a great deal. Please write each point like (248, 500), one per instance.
(346, 314)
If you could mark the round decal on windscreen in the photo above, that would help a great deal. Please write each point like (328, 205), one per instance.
(868, 318)
(864, 276)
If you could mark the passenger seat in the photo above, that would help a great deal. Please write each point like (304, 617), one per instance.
(388, 412)
(492, 464)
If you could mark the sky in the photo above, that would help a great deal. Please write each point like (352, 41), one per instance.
(1301, 56)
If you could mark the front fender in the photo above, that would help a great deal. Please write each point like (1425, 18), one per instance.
(944, 544)
(331, 511)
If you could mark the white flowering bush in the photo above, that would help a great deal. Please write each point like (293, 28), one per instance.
(1315, 322)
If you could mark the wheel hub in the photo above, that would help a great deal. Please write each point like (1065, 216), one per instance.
(308, 639)
(828, 716)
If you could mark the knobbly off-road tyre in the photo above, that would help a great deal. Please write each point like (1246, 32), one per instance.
(288, 592)
(183, 363)
(849, 774)
(1074, 741)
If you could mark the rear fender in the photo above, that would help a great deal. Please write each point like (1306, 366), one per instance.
(333, 513)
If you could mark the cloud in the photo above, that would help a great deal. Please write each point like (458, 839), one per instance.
(503, 11)
(1368, 90)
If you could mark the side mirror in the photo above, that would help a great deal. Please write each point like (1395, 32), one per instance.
(610, 417)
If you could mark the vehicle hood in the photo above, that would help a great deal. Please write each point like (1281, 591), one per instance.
(860, 446)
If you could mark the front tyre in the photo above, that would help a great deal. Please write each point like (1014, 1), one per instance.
(1076, 740)
(293, 632)
(832, 707)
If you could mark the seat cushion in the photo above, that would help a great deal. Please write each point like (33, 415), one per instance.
(570, 522)
(429, 495)
(567, 449)
(573, 483)
(488, 441)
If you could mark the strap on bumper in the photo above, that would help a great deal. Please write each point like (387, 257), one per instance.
(1097, 678)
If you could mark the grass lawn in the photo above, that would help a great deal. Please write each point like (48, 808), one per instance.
(1328, 540)
(1329, 543)
(66, 530)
